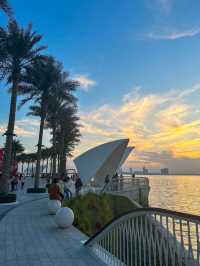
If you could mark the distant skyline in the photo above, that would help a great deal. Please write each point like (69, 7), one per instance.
(138, 63)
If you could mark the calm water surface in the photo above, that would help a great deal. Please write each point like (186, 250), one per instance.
(179, 193)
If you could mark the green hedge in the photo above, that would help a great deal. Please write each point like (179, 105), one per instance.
(36, 190)
(93, 211)
(7, 198)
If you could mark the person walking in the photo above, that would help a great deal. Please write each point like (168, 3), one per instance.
(107, 181)
(61, 186)
(16, 181)
(12, 183)
(71, 185)
(22, 181)
(67, 187)
(78, 185)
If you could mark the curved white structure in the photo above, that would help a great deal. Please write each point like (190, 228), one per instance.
(125, 156)
(101, 161)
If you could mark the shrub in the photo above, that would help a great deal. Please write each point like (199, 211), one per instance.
(93, 211)
(36, 190)
(7, 198)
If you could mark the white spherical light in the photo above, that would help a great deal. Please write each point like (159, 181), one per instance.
(53, 206)
(64, 217)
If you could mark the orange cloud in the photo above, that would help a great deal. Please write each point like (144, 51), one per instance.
(154, 122)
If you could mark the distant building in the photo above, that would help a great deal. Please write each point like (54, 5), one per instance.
(145, 171)
(164, 171)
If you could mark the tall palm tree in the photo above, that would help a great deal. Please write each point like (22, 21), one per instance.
(17, 148)
(33, 160)
(39, 79)
(21, 159)
(68, 134)
(18, 50)
(59, 100)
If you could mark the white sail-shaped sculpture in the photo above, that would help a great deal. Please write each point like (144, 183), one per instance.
(100, 161)
(125, 156)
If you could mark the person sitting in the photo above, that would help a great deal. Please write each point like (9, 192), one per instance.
(54, 191)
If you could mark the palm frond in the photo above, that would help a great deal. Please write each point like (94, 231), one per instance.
(6, 8)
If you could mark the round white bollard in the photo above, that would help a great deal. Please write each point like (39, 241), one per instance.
(64, 217)
(53, 206)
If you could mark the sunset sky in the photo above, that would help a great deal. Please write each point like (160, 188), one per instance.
(138, 62)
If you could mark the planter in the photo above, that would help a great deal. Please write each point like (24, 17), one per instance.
(7, 198)
(36, 190)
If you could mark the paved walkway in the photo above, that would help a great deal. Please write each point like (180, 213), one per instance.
(22, 196)
(30, 237)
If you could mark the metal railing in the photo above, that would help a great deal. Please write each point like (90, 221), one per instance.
(149, 236)
(127, 184)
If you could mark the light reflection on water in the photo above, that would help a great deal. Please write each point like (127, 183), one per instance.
(179, 193)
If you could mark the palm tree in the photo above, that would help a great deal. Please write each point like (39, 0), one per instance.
(39, 79)
(60, 99)
(18, 50)
(21, 159)
(17, 148)
(32, 160)
(28, 161)
(68, 134)
(6, 8)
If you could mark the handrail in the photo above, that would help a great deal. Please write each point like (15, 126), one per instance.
(149, 235)
(195, 218)
(126, 184)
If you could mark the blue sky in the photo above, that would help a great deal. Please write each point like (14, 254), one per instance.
(124, 53)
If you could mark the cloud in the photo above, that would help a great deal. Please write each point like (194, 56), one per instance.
(19, 131)
(85, 82)
(174, 34)
(162, 123)
(30, 122)
(164, 128)
(134, 94)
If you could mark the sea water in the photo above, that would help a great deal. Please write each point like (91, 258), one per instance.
(175, 192)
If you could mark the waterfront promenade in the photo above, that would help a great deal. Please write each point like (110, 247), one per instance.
(30, 237)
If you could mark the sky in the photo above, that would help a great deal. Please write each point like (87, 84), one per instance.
(138, 62)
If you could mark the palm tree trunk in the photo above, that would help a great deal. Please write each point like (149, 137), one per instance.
(57, 163)
(62, 166)
(4, 186)
(32, 169)
(54, 151)
(22, 169)
(42, 166)
(47, 162)
(28, 168)
(39, 150)
(51, 162)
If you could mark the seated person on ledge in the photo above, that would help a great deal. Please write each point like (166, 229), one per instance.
(54, 191)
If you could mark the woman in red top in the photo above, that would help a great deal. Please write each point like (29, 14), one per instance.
(54, 191)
